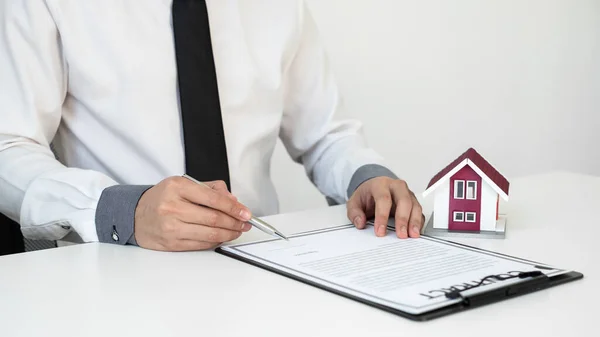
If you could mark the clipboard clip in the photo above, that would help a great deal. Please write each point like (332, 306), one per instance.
(535, 280)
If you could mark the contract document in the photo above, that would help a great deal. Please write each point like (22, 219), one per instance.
(411, 276)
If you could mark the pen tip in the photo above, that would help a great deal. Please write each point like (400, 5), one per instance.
(282, 236)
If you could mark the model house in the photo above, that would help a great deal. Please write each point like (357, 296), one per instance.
(467, 193)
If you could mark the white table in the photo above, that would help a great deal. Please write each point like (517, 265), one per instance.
(109, 290)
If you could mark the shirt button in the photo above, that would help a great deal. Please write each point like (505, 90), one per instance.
(115, 235)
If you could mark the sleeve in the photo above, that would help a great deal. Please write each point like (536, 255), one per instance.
(48, 199)
(334, 153)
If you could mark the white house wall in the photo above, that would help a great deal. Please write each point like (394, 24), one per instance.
(488, 207)
(441, 204)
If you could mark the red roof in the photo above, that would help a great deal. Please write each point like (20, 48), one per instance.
(481, 163)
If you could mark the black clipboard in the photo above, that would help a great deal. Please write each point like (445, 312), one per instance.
(528, 286)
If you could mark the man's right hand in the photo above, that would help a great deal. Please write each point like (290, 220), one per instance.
(181, 215)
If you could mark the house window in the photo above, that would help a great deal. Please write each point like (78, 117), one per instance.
(471, 189)
(470, 216)
(459, 216)
(459, 189)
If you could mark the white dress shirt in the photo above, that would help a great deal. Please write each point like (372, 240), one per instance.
(96, 80)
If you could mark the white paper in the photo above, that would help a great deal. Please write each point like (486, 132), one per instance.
(411, 275)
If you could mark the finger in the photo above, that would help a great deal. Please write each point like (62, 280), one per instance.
(403, 201)
(190, 245)
(221, 187)
(416, 218)
(208, 197)
(200, 215)
(206, 234)
(383, 205)
(354, 210)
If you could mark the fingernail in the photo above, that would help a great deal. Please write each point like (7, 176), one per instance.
(357, 221)
(246, 227)
(381, 230)
(403, 229)
(416, 230)
(245, 214)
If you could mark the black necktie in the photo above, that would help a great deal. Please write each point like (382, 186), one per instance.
(205, 150)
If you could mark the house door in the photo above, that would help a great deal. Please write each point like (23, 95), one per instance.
(465, 200)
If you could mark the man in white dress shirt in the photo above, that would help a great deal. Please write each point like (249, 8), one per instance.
(92, 137)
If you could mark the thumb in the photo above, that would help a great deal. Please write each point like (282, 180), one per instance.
(356, 213)
(221, 187)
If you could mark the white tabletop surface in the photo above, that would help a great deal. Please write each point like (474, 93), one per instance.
(109, 290)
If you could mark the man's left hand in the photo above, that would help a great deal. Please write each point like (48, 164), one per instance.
(381, 197)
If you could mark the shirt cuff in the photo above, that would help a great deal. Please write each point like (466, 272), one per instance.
(115, 214)
(367, 172)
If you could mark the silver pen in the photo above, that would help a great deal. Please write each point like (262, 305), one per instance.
(254, 221)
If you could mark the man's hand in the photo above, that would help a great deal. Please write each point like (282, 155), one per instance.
(382, 197)
(180, 215)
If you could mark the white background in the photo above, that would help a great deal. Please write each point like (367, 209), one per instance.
(518, 80)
